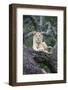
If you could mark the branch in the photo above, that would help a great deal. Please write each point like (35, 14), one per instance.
(27, 34)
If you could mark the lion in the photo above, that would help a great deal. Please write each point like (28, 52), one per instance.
(38, 44)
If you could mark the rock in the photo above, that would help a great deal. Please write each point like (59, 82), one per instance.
(32, 59)
(29, 65)
(53, 60)
(49, 59)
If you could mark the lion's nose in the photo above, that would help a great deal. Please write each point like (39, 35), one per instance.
(38, 38)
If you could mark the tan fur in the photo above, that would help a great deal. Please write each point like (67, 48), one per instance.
(38, 43)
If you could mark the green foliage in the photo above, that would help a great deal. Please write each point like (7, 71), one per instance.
(28, 42)
(28, 26)
(50, 40)
(43, 66)
(51, 19)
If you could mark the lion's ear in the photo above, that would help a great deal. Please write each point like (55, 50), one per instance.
(34, 32)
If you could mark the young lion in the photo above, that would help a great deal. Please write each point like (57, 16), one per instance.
(38, 43)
